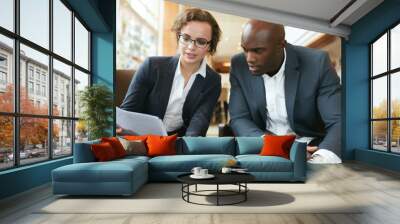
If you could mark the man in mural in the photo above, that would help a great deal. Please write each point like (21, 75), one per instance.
(280, 89)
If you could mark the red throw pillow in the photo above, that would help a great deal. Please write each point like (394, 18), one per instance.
(103, 151)
(277, 145)
(161, 145)
(116, 145)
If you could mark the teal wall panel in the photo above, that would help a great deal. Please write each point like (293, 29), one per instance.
(355, 52)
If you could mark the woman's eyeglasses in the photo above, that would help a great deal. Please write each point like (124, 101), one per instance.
(185, 40)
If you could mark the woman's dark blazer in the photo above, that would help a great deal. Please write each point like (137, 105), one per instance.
(151, 86)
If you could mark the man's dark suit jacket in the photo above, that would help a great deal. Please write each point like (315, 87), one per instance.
(151, 86)
(312, 95)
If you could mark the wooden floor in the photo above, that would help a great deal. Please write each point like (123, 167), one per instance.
(378, 188)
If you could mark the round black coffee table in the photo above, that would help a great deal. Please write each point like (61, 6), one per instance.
(238, 179)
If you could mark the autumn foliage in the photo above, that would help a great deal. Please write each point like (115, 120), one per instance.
(33, 130)
(380, 127)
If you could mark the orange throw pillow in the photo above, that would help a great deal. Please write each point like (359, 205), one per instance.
(277, 145)
(135, 138)
(161, 145)
(116, 145)
(103, 152)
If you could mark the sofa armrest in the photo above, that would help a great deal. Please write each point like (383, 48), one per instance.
(83, 152)
(298, 157)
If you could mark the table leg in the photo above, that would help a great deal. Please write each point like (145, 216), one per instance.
(217, 194)
(245, 191)
(182, 188)
(188, 190)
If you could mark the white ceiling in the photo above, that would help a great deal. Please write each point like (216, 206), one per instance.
(314, 15)
(320, 9)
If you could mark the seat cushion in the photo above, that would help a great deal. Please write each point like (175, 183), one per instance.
(257, 163)
(206, 145)
(249, 145)
(184, 163)
(132, 160)
(111, 171)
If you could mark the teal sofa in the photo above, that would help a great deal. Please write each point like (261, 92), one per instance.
(125, 176)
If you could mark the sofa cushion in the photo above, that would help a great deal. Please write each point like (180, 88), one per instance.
(83, 152)
(249, 145)
(112, 171)
(133, 158)
(206, 145)
(257, 163)
(185, 163)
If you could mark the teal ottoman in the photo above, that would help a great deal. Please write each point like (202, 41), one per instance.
(118, 177)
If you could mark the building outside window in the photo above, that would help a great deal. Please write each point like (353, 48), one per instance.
(30, 72)
(38, 89)
(43, 77)
(30, 87)
(140, 24)
(37, 74)
(43, 90)
(3, 72)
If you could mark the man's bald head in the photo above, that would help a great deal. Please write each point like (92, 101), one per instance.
(264, 30)
(263, 44)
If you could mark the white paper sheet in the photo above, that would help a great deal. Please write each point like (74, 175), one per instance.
(139, 123)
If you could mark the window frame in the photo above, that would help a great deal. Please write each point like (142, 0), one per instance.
(388, 74)
(16, 114)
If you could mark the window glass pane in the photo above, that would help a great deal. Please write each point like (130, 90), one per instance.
(34, 72)
(395, 47)
(62, 89)
(33, 139)
(379, 135)
(6, 74)
(62, 138)
(35, 21)
(62, 29)
(379, 55)
(7, 14)
(6, 142)
(81, 131)
(395, 136)
(81, 81)
(81, 45)
(379, 97)
(395, 94)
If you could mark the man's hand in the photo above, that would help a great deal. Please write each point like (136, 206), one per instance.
(119, 131)
(311, 150)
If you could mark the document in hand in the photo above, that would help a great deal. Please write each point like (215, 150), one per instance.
(139, 124)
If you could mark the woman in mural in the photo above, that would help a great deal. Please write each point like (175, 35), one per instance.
(181, 90)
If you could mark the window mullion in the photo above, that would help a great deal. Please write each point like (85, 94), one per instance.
(73, 82)
(16, 84)
(50, 81)
(389, 112)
